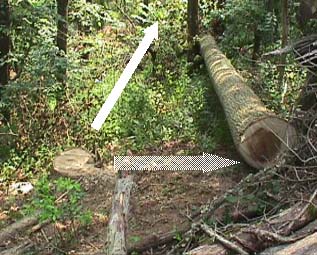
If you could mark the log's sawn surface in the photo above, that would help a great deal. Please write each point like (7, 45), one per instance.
(259, 135)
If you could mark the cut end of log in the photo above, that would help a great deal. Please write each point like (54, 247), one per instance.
(265, 140)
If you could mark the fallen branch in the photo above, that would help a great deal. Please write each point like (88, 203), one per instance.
(154, 240)
(297, 45)
(206, 250)
(40, 225)
(23, 224)
(230, 245)
(268, 236)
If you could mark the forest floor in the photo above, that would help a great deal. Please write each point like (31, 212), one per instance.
(161, 202)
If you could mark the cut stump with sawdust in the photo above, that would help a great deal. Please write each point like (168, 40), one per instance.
(259, 135)
(75, 163)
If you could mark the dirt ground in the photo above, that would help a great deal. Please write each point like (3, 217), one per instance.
(161, 201)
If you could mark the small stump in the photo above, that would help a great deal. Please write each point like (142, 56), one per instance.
(75, 163)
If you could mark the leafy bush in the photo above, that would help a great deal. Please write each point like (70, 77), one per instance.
(58, 201)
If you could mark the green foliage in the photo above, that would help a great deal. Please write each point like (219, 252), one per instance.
(242, 19)
(178, 237)
(163, 101)
(88, 16)
(135, 239)
(246, 23)
(281, 98)
(58, 201)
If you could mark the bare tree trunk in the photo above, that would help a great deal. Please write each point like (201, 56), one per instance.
(285, 23)
(256, 43)
(285, 31)
(4, 41)
(145, 9)
(193, 28)
(62, 26)
(306, 12)
(62, 31)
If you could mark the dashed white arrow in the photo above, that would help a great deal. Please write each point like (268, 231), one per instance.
(214, 162)
(206, 163)
(151, 33)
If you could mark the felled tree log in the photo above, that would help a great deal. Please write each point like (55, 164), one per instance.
(117, 228)
(259, 135)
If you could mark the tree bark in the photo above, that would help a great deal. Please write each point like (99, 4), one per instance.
(285, 31)
(259, 135)
(256, 43)
(4, 41)
(62, 25)
(306, 12)
(61, 38)
(193, 28)
(116, 236)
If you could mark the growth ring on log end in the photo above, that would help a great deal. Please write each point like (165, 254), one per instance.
(265, 140)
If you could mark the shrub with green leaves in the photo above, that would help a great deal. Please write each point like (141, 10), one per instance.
(58, 201)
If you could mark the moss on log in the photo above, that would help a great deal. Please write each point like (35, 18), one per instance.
(259, 135)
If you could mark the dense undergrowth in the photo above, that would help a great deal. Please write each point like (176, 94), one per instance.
(162, 102)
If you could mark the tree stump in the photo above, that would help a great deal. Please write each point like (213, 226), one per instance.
(75, 163)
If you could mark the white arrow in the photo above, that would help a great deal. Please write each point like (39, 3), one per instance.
(151, 33)
(206, 162)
